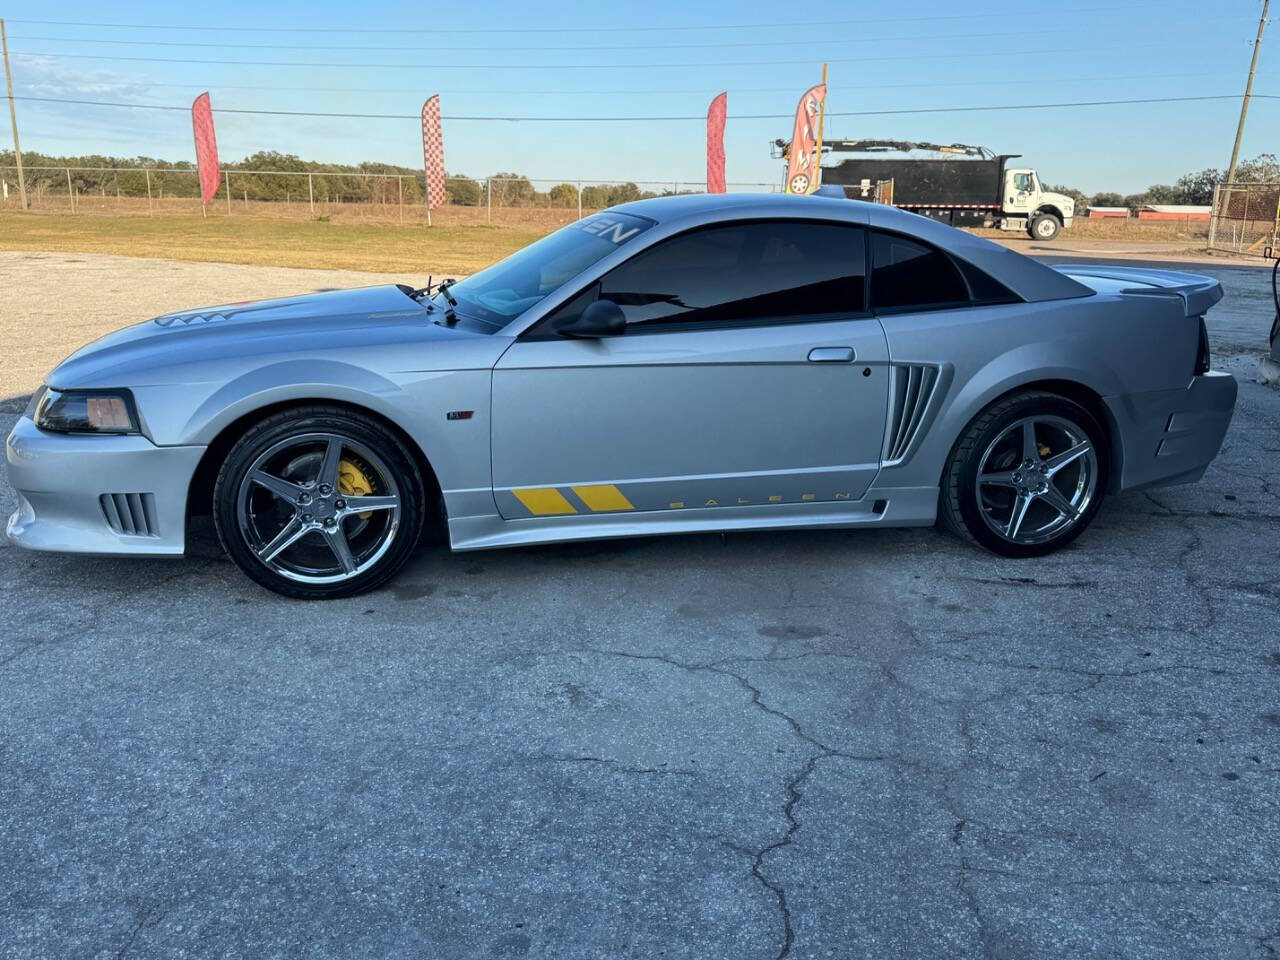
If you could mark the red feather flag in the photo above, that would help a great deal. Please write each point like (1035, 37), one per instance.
(433, 152)
(716, 115)
(206, 147)
(801, 176)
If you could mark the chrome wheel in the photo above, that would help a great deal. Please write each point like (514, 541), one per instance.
(1036, 479)
(318, 508)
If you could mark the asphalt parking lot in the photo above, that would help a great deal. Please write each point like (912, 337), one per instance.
(870, 744)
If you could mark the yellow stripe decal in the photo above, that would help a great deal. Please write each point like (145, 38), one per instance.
(542, 501)
(605, 496)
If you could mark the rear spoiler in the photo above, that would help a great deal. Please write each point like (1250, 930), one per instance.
(1197, 293)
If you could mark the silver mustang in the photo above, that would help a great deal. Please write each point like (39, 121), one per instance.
(673, 365)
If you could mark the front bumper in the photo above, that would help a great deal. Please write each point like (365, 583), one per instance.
(110, 495)
(1171, 436)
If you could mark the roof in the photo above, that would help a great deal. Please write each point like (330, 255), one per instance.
(1110, 209)
(1030, 280)
(1178, 208)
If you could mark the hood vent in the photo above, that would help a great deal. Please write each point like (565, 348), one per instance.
(911, 387)
(187, 319)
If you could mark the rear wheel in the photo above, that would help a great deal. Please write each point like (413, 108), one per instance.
(1027, 476)
(319, 502)
(1044, 226)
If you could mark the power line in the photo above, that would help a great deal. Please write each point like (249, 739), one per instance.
(826, 41)
(578, 119)
(772, 25)
(545, 66)
(708, 89)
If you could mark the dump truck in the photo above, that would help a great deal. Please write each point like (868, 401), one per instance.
(965, 186)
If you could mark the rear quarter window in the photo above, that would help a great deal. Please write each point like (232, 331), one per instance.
(909, 275)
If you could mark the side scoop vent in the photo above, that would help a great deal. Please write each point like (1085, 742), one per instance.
(911, 387)
(130, 514)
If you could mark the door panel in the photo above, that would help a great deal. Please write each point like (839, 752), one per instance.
(689, 418)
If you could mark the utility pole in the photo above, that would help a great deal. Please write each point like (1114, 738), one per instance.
(13, 117)
(1244, 107)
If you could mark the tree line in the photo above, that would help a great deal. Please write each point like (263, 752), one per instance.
(253, 178)
(389, 183)
(1191, 188)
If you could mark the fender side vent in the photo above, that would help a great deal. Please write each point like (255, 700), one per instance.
(910, 390)
(130, 514)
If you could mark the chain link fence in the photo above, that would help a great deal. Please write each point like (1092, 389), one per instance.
(331, 195)
(1245, 218)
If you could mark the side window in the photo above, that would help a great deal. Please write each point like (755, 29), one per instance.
(1022, 181)
(743, 274)
(909, 275)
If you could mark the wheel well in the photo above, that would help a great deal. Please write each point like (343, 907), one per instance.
(1091, 401)
(1054, 211)
(200, 493)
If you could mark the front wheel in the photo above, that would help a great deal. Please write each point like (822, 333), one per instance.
(1044, 226)
(1027, 476)
(319, 502)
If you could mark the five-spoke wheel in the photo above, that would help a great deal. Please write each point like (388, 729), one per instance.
(1027, 476)
(319, 502)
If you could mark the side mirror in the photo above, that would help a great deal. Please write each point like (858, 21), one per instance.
(603, 318)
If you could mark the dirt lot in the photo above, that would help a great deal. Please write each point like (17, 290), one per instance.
(874, 744)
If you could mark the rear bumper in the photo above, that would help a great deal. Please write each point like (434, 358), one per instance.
(61, 481)
(1171, 436)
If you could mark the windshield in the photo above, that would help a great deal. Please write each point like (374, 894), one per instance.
(502, 292)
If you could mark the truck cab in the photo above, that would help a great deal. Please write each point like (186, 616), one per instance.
(958, 184)
(1027, 206)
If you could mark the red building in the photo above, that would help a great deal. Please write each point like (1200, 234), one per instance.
(1175, 211)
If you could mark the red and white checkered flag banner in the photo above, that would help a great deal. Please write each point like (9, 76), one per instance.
(206, 147)
(433, 152)
(715, 143)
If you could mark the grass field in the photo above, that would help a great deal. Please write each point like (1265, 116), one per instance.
(385, 248)
(460, 242)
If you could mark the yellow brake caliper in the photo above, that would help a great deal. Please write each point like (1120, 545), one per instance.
(353, 482)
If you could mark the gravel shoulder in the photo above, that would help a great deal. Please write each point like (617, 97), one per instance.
(55, 302)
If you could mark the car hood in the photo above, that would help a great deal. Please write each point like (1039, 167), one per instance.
(309, 321)
(386, 300)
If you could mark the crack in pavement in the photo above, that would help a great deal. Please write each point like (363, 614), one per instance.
(613, 763)
(821, 750)
(189, 568)
(137, 928)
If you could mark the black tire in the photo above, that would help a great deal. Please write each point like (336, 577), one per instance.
(1044, 227)
(400, 533)
(963, 506)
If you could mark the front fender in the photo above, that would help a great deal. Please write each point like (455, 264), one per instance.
(291, 380)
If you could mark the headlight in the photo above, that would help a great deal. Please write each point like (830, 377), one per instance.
(86, 411)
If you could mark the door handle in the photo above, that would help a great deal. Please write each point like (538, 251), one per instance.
(831, 355)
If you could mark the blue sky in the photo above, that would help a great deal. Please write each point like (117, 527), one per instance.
(602, 59)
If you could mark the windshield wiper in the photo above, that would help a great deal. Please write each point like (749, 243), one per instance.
(450, 314)
(443, 287)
